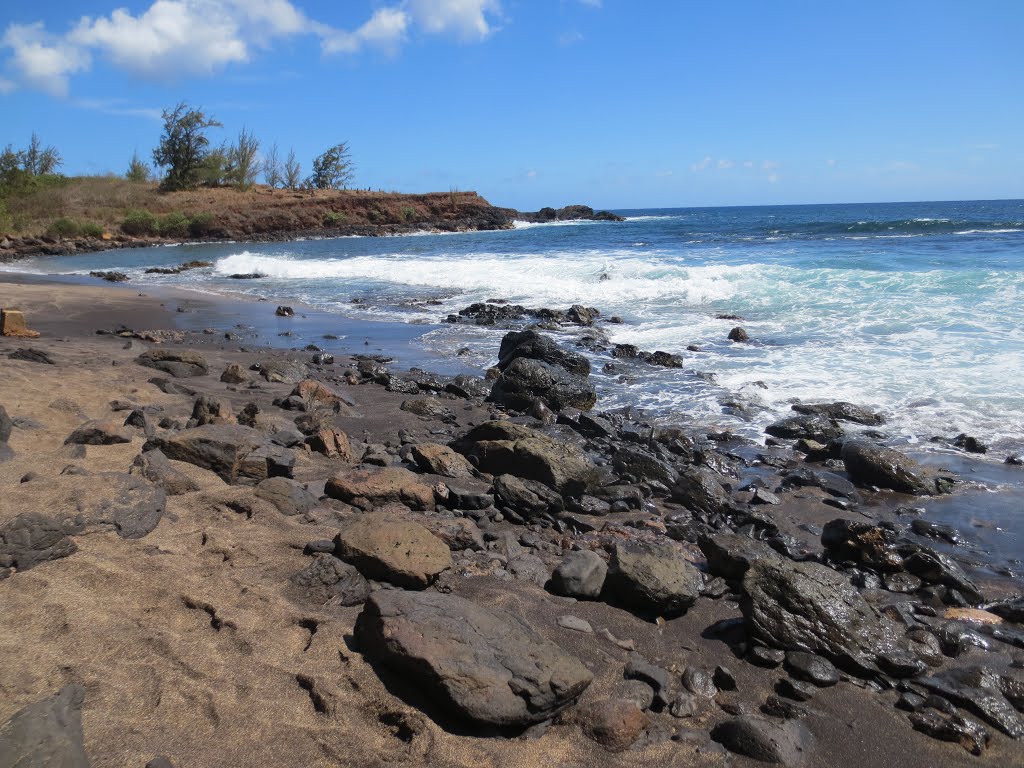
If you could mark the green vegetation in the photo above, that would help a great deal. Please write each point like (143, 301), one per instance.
(65, 227)
(333, 169)
(335, 219)
(408, 213)
(137, 171)
(183, 148)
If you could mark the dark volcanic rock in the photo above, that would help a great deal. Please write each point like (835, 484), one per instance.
(526, 380)
(729, 555)
(811, 668)
(935, 568)
(499, 447)
(370, 487)
(47, 733)
(809, 427)
(485, 665)
(155, 467)
(528, 498)
(808, 607)
(738, 334)
(841, 411)
(329, 581)
(612, 723)
(535, 346)
(699, 489)
(99, 433)
(784, 743)
(581, 574)
(32, 355)
(651, 578)
(240, 455)
(869, 464)
(871, 546)
(979, 690)
(209, 410)
(968, 734)
(180, 364)
(6, 425)
(32, 538)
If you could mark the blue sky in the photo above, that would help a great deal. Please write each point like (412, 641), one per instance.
(615, 103)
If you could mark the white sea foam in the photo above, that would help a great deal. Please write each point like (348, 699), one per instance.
(987, 231)
(519, 224)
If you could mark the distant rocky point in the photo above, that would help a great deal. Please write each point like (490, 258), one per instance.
(568, 213)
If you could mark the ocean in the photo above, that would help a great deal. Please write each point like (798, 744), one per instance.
(913, 309)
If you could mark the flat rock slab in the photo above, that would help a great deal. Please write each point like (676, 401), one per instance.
(156, 468)
(47, 733)
(328, 581)
(485, 665)
(400, 552)
(180, 365)
(289, 496)
(768, 742)
(869, 464)
(380, 486)
(32, 538)
(240, 455)
(127, 504)
(440, 460)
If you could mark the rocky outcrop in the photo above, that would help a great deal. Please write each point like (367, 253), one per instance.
(525, 381)
(568, 213)
(289, 496)
(482, 664)
(327, 581)
(32, 538)
(100, 433)
(155, 467)
(581, 575)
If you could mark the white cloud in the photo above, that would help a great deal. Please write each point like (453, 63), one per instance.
(664, 174)
(831, 163)
(175, 38)
(531, 174)
(702, 165)
(591, 3)
(39, 60)
(748, 163)
(724, 164)
(770, 165)
(466, 19)
(985, 147)
(118, 107)
(386, 29)
(773, 178)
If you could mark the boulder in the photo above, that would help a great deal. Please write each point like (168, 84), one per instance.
(47, 733)
(730, 555)
(968, 734)
(328, 581)
(100, 433)
(527, 498)
(808, 607)
(400, 552)
(239, 455)
(440, 460)
(936, 568)
(978, 690)
(526, 380)
(315, 394)
(380, 486)
(289, 496)
(234, 374)
(32, 538)
(535, 346)
(504, 448)
(738, 334)
(209, 410)
(698, 489)
(581, 575)
(283, 371)
(766, 741)
(481, 663)
(870, 546)
(869, 464)
(428, 408)
(332, 443)
(813, 426)
(651, 578)
(841, 411)
(612, 723)
(179, 364)
(154, 466)
(643, 465)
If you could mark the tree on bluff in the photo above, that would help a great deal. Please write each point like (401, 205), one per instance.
(333, 169)
(183, 147)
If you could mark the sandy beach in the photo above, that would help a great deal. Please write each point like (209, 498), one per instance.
(239, 599)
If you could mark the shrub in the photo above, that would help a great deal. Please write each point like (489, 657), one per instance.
(64, 227)
(174, 224)
(334, 219)
(139, 224)
(200, 225)
(408, 213)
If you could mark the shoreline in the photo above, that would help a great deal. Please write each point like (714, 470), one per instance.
(213, 573)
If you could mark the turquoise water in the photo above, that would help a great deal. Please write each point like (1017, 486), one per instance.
(916, 309)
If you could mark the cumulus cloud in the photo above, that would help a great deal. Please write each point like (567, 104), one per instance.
(175, 38)
(39, 60)
(466, 19)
